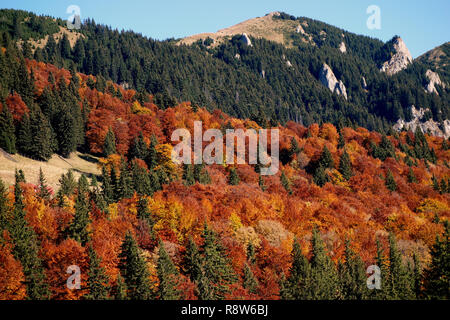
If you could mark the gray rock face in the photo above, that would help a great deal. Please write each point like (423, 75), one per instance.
(300, 29)
(342, 47)
(434, 80)
(399, 60)
(246, 40)
(430, 126)
(328, 79)
(364, 83)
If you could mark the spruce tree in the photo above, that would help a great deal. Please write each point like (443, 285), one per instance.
(296, 286)
(437, 274)
(133, 269)
(109, 146)
(152, 156)
(97, 279)
(326, 159)
(261, 183)
(216, 264)
(285, 183)
(43, 191)
(320, 177)
(107, 187)
(120, 290)
(138, 148)
(7, 131)
(167, 274)
(341, 141)
(389, 181)
(26, 249)
(233, 178)
(400, 285)
(249, 280)
(352, 276)
(324, 282)
(411, 176)
(345, 166)
(188, 175)
(24, 136)
(78, 229)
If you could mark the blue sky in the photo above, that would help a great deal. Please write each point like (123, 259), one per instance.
(423, 25)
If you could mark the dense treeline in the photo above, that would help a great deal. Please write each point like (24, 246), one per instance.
(216, 78)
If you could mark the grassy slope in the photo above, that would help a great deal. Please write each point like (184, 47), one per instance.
(53, 169)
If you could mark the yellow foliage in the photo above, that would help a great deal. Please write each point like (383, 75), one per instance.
(136, 108)
(113, 211)
(432, 205)
(235, 222)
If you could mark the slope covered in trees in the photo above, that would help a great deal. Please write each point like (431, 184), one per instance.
(146, 228)
(247, 82)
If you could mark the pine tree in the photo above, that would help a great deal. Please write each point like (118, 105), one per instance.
(390, 183)
(67, 184)
(24, 136)
(19, 176)
(133, 269)
(352, 276)
(97, 279)
(341, 141)
(188, 175)
(399, 282)
(138, 148)
(41, 133)
(201, 175)
(43, 191)
(233, 178)
(326, 159)
(78, 229)
(437, 275)
(251, 254)
(345, 166)
(216, 265)
(3, 206)
(261, 183)
(7, 134)
(249, 280)
(120, 289)
(109, 146)
(418, 275)
(152, 155)
(294, 149)
(411, 176)
(324, 279)
(107, 187)
(296, 286)
(124, 188)
(320, 177)
(26, 249)
(285, 183)
(193, 261)
(167, 274)
(443, 186)
(435, 183)
(140, 180)
(66, 133)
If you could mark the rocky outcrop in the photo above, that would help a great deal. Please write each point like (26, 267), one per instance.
(399, 60)
(299, 29)
(430, 126)
(434, 80)
(364, 83)
(342, 47)
(246, 40)
(328, 79)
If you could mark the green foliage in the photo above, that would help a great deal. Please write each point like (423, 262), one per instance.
(437, 275)
(249, 280)
(109, 146)
(43, 191)
(78, 229)
(97, 279)
(167, 275)
(390, 181)
(134, 270)
(285, 183)
(233, 178)
(7, 131)
(345, 166)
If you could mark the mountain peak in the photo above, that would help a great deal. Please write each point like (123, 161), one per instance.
(267, 27)
(400, 59)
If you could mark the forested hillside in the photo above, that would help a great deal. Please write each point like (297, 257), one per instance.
(264, 82)
(146, 228)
